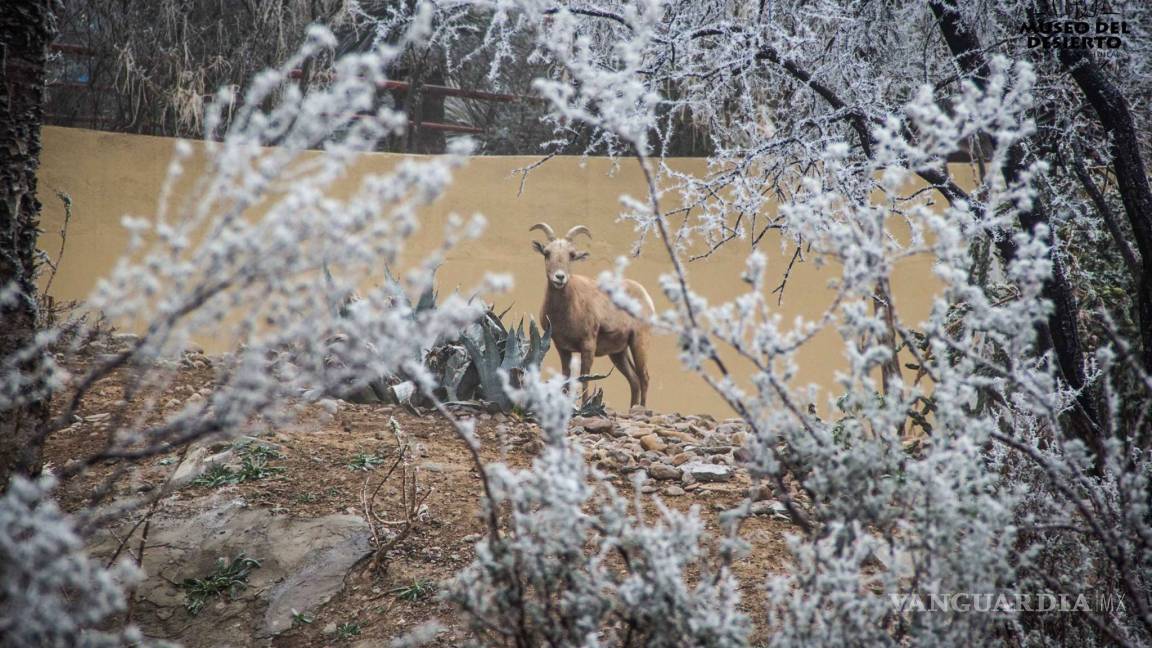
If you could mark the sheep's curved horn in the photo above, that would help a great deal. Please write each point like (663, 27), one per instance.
(546, 228)
(579, 229)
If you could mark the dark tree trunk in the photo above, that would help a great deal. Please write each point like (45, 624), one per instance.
(1131, 176)
(1061, 333)
(26, 29)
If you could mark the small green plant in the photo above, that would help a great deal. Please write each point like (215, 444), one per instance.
(254, 466)
(418, 590)
(347, 630)
(307, 498)
(364, 462)
(299, 619)
(258, 451)
(216, 475)
(227, 577)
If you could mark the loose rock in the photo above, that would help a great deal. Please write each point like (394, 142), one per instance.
(678, 435)
(594, 424)
(638, 431)
(769, 507)
(196, 463)
(652, 443)
(707, 472)
(714, 450)
(729, 429)
(639, 410)
(664, 471)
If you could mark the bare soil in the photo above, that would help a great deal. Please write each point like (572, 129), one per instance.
(317, 480)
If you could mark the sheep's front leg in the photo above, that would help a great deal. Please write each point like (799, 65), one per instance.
(566, 366)
(566, 362)
(585, 370)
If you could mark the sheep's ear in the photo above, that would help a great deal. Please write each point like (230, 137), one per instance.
(538, 246)
(579, 256)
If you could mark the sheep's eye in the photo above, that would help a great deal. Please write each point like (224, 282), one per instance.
(572, 256)
(547, 254)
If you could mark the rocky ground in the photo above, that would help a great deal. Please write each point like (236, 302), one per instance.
(299, 513)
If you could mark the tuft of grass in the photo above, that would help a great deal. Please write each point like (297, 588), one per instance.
(258, 451)
(226, 578)
(254, 466)
(364, 462)
(313, 496)
(417, 590)
(216, 475)
(299, 619)
(347, 630)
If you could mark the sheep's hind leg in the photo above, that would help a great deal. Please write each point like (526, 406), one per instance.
(625, 367)
(638, 346)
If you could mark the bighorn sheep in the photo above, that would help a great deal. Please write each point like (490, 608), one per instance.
(584, 319)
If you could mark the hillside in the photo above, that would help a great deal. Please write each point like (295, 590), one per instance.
(292, 498)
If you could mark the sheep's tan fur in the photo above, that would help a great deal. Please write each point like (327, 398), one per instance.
(584, 320)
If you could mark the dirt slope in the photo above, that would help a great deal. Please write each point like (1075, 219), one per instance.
(318, 468)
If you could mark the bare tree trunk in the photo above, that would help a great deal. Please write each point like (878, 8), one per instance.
(1131, 176)
(1061, 333)
(26, 29)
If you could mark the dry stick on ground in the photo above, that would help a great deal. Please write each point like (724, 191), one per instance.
(164, 490)
(411, 499)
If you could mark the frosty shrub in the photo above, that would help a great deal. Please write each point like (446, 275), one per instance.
(568, 561)
(51, 593)
(1029, 472)
(1012, 460)
(257, 253)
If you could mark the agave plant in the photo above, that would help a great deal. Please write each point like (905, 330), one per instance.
(383, 389)
(492, 348)
(594, 406)
(467, 368)
(471, 371)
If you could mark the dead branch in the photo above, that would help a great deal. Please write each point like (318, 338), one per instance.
(388, 533)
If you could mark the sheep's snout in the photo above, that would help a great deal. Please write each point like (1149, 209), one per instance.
(559, 279)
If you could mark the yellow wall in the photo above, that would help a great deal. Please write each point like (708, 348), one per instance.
(109, 175)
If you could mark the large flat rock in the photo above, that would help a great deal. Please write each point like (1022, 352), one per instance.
(303, 562)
